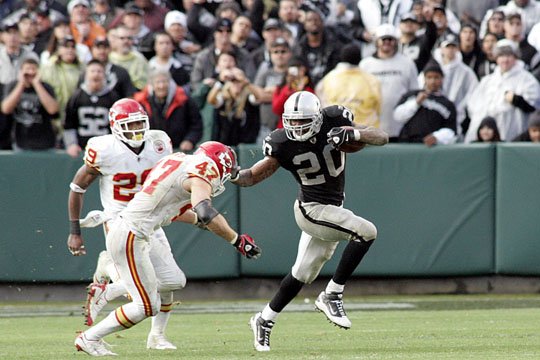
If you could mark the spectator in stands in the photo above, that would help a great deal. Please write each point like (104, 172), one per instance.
(201, 26)
(185, 47)
(396, 73)
(529, 11)
(62, 72)
(205, 62)
(488, 131)
(30, 105)
(124, 55)
(242, 34)
(471, 52)
(164, 60)
(225, 61)
(104, 12)
(116, 77)
(471, 12)
(154, 14)
(508, 95)
(83, 28)
(269, 76)
(11, 52)
(427, 115)
(143, 38)
(172, 110)
(61, 30)
(417, 48)
(493, 23)
(55, 9)
(236, 119)
(374, 13)
(87, 111)
(513, 31)
(290, 18)
(441, 23)
(488, 63)
(44, 31)
(350, 86)
(318, 46)
(459, 79)
(297, 79)
(27, 31)
(272, 30)
(532, 133)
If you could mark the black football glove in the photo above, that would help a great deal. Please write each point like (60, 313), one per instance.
(247, 247)
(338, 136)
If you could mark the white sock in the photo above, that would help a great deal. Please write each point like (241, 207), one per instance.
(332, 287)
(160, 321)
(269, 314)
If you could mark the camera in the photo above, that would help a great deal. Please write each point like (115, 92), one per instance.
(294, 71)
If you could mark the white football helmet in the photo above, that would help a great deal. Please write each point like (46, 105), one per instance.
(123, 113)
(304, 108)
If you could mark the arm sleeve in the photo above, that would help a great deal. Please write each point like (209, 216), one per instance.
(520, 102)
(405, 111)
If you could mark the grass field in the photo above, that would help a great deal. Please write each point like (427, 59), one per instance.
(412, 327)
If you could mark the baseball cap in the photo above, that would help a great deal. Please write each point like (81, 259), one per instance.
(8, 25)
(386, 30)
(439, 8)
(433, 66)
(450, 40)
(101, 41)
(506, 47)
(66, 40)
(280, 42)
(74, 3)
(409, 17)
(272, 23)
(223, 23)
(134, 9)
(175, 17)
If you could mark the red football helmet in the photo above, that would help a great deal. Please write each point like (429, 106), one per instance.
(225, 159)
(122, 114)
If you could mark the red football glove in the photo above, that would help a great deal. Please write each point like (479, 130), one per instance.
(247, 247)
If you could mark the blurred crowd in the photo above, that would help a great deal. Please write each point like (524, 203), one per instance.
(425, 71)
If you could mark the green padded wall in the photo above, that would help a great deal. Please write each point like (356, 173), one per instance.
(434, 210)
(34, 189)
(518, 204)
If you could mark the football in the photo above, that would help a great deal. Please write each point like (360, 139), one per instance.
(351, 147)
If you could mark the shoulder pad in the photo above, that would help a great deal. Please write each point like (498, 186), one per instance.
(339, 113)
(98, 150)
(272, 142)
(159, 137)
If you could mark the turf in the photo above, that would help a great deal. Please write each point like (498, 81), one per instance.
(423, 327)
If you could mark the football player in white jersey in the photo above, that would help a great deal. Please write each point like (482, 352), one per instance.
(312, 147)
(178, 181)
(122, 161)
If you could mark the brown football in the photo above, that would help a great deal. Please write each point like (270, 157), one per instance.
(351, 147)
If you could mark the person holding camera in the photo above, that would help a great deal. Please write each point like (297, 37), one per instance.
(31, 105)
(296, 79)
(236, 119)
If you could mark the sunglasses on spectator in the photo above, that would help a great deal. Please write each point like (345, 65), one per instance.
(387, 39)
(497, 18)
(225, 30)
(280, 51)
(125, 37)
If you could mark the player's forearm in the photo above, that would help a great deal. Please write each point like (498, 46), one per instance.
(373, 136)
(221, 227)
(261, 170)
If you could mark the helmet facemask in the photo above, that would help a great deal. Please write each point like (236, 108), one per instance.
(125, 130)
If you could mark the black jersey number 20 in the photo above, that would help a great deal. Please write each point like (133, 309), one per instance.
(314, 166)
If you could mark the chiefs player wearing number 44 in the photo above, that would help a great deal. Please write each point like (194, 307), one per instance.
(137, 203)
(312, 147)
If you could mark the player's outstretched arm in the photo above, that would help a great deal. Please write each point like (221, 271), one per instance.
(341, 135)
(210, 218)
(373, 136)
(261, 170)
(81, 181)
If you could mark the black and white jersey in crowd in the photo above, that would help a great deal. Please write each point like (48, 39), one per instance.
(318, 168)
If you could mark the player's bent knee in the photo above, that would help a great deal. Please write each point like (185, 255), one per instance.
(370, 233)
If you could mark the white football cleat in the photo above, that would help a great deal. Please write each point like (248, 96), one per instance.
(159, 342)
(95, 301)
(332, 306)
(92, 347)
(261, 332)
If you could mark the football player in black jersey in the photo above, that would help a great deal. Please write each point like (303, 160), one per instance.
(308, 147)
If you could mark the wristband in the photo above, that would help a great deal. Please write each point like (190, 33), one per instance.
(357, 135)
(76, 188)
(74, 227)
